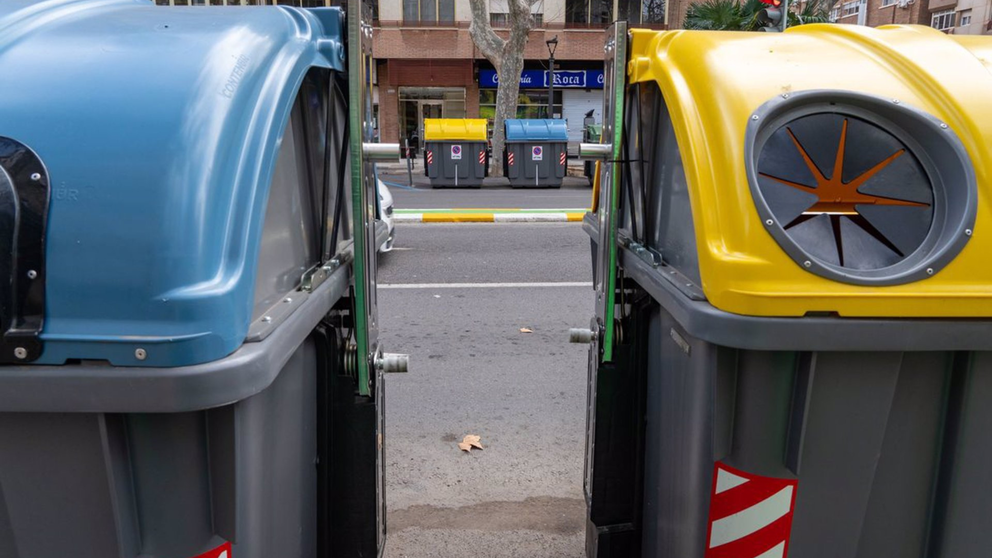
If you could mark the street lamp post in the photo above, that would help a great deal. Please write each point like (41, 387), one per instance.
(552, 45)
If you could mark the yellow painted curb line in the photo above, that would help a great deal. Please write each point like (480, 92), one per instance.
(455, 217)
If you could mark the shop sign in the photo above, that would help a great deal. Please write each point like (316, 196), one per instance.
(533, 79)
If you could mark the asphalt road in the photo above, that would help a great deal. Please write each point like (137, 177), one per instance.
(575, 193)
(474, 372)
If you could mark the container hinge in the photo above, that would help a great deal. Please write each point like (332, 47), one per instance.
(650, 255)
(316, 275)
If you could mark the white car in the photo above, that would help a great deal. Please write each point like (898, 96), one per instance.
(386, 203)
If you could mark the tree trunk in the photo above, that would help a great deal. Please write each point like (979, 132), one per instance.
(507, 56)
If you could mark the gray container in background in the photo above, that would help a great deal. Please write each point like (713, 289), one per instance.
(456, 151)
(456, 163)
(536, 154)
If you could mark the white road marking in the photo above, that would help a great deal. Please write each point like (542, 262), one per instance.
(482, 285)
(530, 217)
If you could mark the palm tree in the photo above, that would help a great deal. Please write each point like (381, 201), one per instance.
(738, 15)
(813, 11)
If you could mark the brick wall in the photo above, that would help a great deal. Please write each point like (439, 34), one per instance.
(429, 44)
(448, 44)
(409, 57)
(915, 13)
(397, 73)
(389, 125)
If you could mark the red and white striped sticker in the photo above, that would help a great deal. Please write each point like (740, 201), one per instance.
(561, 160)
(482, 157)
(430, 157)
(222, 551)
(750, 516)
(510, 157)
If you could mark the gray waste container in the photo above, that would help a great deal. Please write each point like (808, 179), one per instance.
(536, 154)
(456, 151)
(801, 359)
(175, 311)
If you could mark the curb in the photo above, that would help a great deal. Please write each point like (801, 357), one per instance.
(489, 216)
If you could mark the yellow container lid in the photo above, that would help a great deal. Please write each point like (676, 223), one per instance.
(717, 87)
(454, 129)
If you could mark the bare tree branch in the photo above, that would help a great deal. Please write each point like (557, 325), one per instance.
(489, 43)
(507, 56)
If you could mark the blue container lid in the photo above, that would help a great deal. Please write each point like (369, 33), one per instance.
(159, 128)
(536, 130)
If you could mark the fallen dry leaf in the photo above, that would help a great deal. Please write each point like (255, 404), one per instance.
(470, 441)
(526, 330)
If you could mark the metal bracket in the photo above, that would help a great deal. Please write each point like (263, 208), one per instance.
(315, 276)
(649, 255)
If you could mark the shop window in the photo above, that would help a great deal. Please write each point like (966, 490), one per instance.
(532, 103)
(418, 103)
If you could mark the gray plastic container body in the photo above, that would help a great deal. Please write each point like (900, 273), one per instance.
(881, 424)
(456, 163)
(528, 170)
(888, 448)
(166, 485)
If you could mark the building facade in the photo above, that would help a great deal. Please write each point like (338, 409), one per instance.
(428, 66)
(968, 17)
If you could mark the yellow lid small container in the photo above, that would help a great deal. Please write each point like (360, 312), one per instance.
(455, 129)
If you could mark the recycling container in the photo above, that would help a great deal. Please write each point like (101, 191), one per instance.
(455, 151)
(536, 153)
(591, 134)
(174, 307)
(802, 363)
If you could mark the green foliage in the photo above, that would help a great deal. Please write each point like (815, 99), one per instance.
(715, 15)
(814, 11)
(742, 15)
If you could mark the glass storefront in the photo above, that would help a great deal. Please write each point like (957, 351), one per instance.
(532, 103)
(418, 103)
